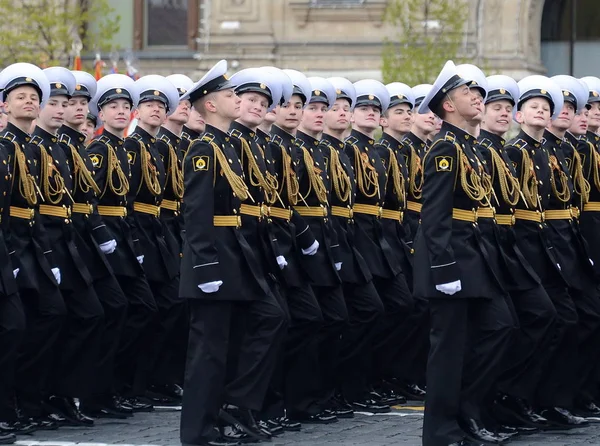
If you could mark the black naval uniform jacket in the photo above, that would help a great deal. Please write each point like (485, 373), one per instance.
(8, 259)
(85, 217)
(589, 220)
(30, 245)
(292, 233)
(412, 152)
(212, 253)
(369, 238)
(112, 175)
(258, 231)
(168, 145)
(159, 246)
(512, 268)
(533, 237)
(448, 249)
(389, 150)
(571, 250)
(187, 136)
(61, 231)
(320, 267)
(354, 266)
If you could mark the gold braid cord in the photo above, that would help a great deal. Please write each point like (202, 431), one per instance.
(366, 175)
(595, 164)
(175, 174)
(81, 175)
(529, 184)
(52, 193)
(121, 186)
(235, 181)
(509, 185)
(563, 195)
(581, 185)
(396, 175)
(257, 179)
(27, 186)
(339, 178)
(149, 171)
(289, 177)
(315, 180)
(415, 168)
(475, 186)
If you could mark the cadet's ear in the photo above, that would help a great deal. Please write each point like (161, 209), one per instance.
(383, 122)
(136, 113)
(519, 117)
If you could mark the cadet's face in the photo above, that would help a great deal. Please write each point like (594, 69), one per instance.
(228, 103)
(76, 112)
(271, 117)
(3, 120)
(438, 124)
(565, 118)
(425, 123)
(497, 116)
(290, 114)
(398, 118)
(196, 121)
(478, 105)
(88, 128)
(338, 118)
(52, 116)
(313, 118)
(580, 123)
(153, 113)
(182, 113)
(366, 117)
(465, 102)
(535, 113)
(594, 116)
(253, 108)
(23, 103)
(116, 114)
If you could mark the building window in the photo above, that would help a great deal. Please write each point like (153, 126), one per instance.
(166, 24)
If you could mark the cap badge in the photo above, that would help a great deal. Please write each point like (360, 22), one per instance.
(400, 96)
(595, 93)
(338, 91)
(119, 91)
(263, 86)
(502, 91)
(317, 92)
(565, 92)
(182, 90)
(58, 85)
(28, 79)
(543, 91)
(78, 87)
(226, 77)
(371, 97)
(156, 93)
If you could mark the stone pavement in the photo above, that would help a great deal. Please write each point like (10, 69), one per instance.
(401, 427)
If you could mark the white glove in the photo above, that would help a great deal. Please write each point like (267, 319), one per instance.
(211, 287)
(449, 288)
(312, 249)
(56, 272)
(338, 266)
(592, 262)
(109, 246)
(15, 272)
(281, 262)
(140, 259)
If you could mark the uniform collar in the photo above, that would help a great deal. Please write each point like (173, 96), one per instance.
(572, 138)
(262, 134)
(20, 136)
(416, 141)
(460, 135)
(529, 140)
(147, 137)
(552, 138)
(285, 136)
(219, 134)
(248, 133)
(362, 138)
(497, 141)
(114, 139)
(592, 137)
(46, 136)
(172, 137)
(75, 135)
(308, 140)
(192, 133)
(393, 142)
(338, 144)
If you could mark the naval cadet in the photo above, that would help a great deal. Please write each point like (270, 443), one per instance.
(225, 365)
(115, 96)
(470, 321)
(25, 87)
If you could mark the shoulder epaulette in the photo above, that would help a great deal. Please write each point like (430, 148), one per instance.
(64, 138)
(277, 140)
(186, 135)
(9, 136)
(236, 133)
(136, 136)
(36, 140)
(103, 139)
(486, 142)
(519, 143)
(299, 142)
(207, 137)
(351, 140)
(164, 138)
(449, 136)
(383, 142)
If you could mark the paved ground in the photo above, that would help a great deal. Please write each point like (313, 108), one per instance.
(402, 427)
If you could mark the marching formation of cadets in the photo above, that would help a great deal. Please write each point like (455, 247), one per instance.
(251, 252)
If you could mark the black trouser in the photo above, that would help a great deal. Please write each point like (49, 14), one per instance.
(392, 333)
(141, 312)
(365, 312)
(12, 330)
(335, 320)
(76, 349)
(114, 303)
(531, 344)
(206, 386)
(468, 338)
(44, 314)
(558, 381)
(161, 333)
